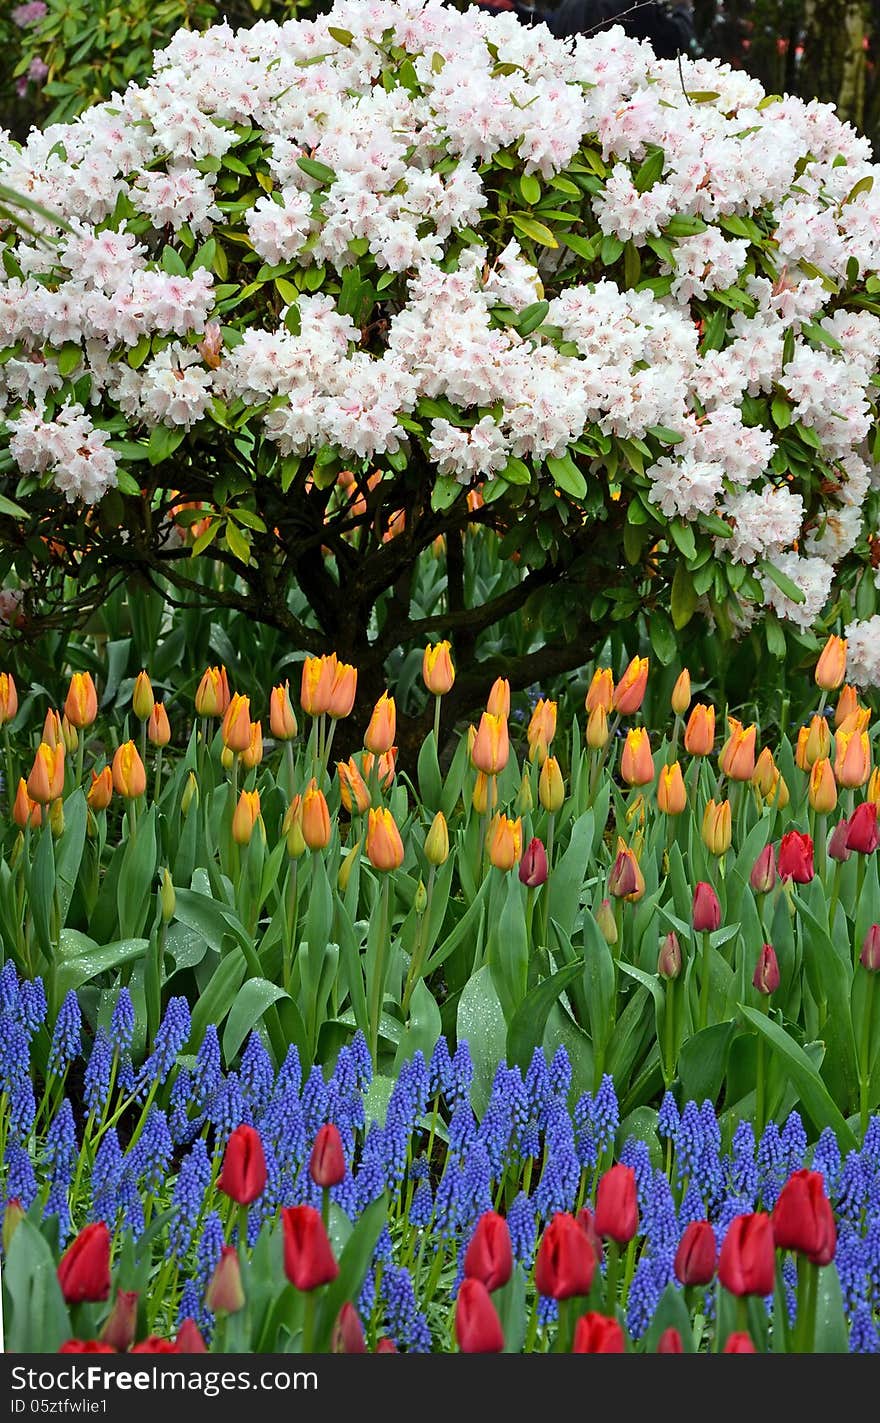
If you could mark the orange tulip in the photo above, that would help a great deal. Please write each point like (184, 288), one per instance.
(498, 703)
(384, 845)
(779, 792)
(317, 684)
(823, 787)
(245, 817)
(699, 734)
(597, 728)
(551, 787)
(26, 811)
(800, 750)
(158, 728)
(671, 794)
(282, 718)
(142, 698)
(831, 667)
(100, 792)
(847, 703)
(352, 787)
(315, 817)
(630, 690)
(8, 698)
(81, 703)
(53, 732)
(681, 693)
(491, 747)
(737, 755)
(601, 692)
(765, 773)
(236, 728)
(46, 780)
(212, 697)
(637, 763)
(438, 673)
(343, 690)
(379, 735)
(626, 880)
(716, 830)
(384, 765)
(852, 760)
(253, 754)
(504, 841)
(818, 741)
(541, 730)
(129, 776)
(858, 720)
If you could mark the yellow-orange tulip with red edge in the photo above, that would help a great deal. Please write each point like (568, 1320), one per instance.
(253, 754)
(847, 703)
(384, 846)
(236, 728)
(852, 761)
(765, 773)
(343, 691)
(212, 696)
(46, 780)
(53, 732)
(818, 745)
(245, 817)
(438, 673)
(158, 728)
(681, 693)
(142, 698)
(800, 750)
(601, 691)
(541, 730)
(831, 667)
(498, 703)
(315, 817)
(379, 735)
(491, 747)
(823, 787)
(129, 776)
(637, 763)
(630, 690)
(384, 764)
(317, 684)
(717, 832)
(100, 792)
(597, 728)
(551, 787)
(699, 734)
(352, 787)
(858, 720)
(8, 698)
(282, 718)
(24, 810)
(737, 755)
(626, 880)
(671, 794)
(504, 841)
(81, 702)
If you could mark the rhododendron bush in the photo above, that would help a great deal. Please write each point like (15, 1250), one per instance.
(326, 290)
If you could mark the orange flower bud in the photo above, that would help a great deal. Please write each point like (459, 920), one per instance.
(717, 832)
(245, 817)
(437, 841)
(504, 841)
(551, 787)
(498, 703)
(626, 880)
(491, 747)
(671, 794)
(601, 692)
(541, 730)
(46, 780)
(100, 792)
(317, 684)
(858, 720)
(81, 703)
(384, 765)
(637, 763)
(438, 673)
(800, 750)
(292, 829)
(379, 735)
(630, 690)
(142, 698)
(8, 698)
(480, 797)
(236, 728)
(831, 667)
(765, 773)
(699, 734)
(384, 845)
(212, 697)
(158, 728)
(227, 758)
(24, 810)
(315, 817)
(681, 693)
(282, 718)
(847, 703)
(597, 728)
(342, 693)
(254, 753)
(129, 776)
(818, 745)
(852, 760)
(352, 787)
(823, 787)
(53, 732)
(737, 755)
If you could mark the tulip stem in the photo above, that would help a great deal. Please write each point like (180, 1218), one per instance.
(415, 963)
(669, 1026)
(612, 1268)
(437, 724)
(545, 907)
(860, 880)
(10, 770)
(807, 1301)
(704, 980)
(562, 1342)
(865, 1052)
(158, 785)
(308, 1321)
(376, 995)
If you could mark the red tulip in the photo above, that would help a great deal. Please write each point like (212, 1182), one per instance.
(327, 1163)
(796, 857)
(84, 1268)
(869, 958)
(696, 1255)
(670, 1342)
(308, 1256)
(348, 1332)
(803, 1219)
(566, 1261)
(243, 1177)
(385, 1346)
(837, 847)
(154, 1344)
(489, 1256)
(763, 876)
(85, 1346)
(747, 1263)
(739, 1343)
(477, 1326)
(617, 1211)
(597, 1334)
(225, 1291)
(189, 1339)
(533, 865)
(121, 1323)
(862, 834)
(766, 975)
(706, 913)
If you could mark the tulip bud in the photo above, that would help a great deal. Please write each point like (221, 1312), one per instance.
(847, 704)
(747, 1263)
(8, 698)
(541, 730)
(803, 1219)
(626, 880)
(384, 845)
(129, 776)
(498, 702)
(717, 830)
(342, 691)
(121, 1323)
(533, 865)
(504, 842)
(292, 829)
(823, 788)
(763, 875)
(696, 1255)
(52, 733)
(477, 1326)
(69, 736)
(491, 747)
(318, 674)
(489, 1256)
(837, 847)
(706, 910)
(379, 735)
(385, 1346)
(437, 841)
(861, 834)
(308, 1255)
(818, 744)
(81, 704)
(601, 692)
(243, 1177)
(671, 793)
(525, 801)
(699, 734)
(617, 1214)
(142, 699)
(236, 727)
(84, 1268)
(420, 898)
(24, 810)
(438, 673)
(190, 794)
(681, 693)
(348, 1332)
(167, 897)
(669, 958)
(566, 1261)
(282, 718)
(766, 975)
(348, 864)
(551, 787)
(46, 780)
(737, 756)
(12, 1219)
(630, 690)
(158, 728)
(739, 1342)
(189, 1339)
(637, 763)
(831, 667)
(225, 1292)
(873, 792)
(852, 760)
(253, 753)
(245, 817)
(869, 958)
(605, 920)
(597, 729)
(56, 819)
(353, 789)
(796, 857)
(598, 1334)
(765, 776)
(315, 817)
(212, 696)
(670, 1342)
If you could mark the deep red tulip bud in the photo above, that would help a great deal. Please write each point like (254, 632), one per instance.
(706, 912)
(489, 1256)
(862, 835)
(739, 1343)
(670, 1342)
(477, 1326)
(85, 1346)
(796, 857)
(597, 1334)
(189, 1339)
(385, 1346)
(803, 1219)
(617, 1211)
(566, 1262)
(243, 1177)
(327, 1163)
(669, 958)
(763, 876)
(308, 1256)
(837, 847)
(154, 1344)
(747, 1263)
(869, 958)
(348, 1332)
(696, 1255)
(225, 1291)
(766, 975)
(119, 1328)
(533, 865)
(84, 1268)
